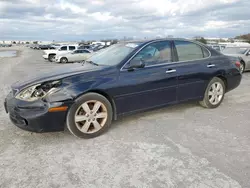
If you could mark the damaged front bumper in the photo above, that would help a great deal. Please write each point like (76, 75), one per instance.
(36, 116)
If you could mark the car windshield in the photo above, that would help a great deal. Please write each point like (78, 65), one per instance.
(235, 50)
(114, 54)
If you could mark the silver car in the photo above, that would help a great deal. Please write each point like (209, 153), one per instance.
(75, 56)
(243, 53)
(217, 47)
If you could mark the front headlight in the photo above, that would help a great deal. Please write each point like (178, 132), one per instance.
(38, 91)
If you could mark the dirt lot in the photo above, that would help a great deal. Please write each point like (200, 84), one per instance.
(180, 146)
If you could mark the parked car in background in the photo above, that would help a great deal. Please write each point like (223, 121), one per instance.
(97, 47)
(5, 45)
(51, 54)
(218, 47)
(46, 47)
(55, 45)
(123, 79)
(75, 56)
(34, 46)
(82, 47)
(243, 53)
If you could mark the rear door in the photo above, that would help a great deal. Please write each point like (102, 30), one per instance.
(195, 68)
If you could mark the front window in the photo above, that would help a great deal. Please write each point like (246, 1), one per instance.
(76, 52)
(113, 55)
(155, 53)
(234, 50)
(84, 51)
(63, 48)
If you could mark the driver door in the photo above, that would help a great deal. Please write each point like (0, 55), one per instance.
(154, 85)
(84, 54)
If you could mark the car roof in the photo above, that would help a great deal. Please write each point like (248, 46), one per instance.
(238, 47)
(144, 42)
(159, 39)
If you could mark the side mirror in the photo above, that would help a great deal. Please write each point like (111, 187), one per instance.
(136, 63)
(248, 53)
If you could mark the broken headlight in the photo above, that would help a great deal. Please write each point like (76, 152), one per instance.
(38, 91)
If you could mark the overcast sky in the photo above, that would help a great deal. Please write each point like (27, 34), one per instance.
(101, 19)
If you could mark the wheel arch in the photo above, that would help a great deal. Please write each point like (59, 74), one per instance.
(64, 57)
(106, 95)
(224, 79)
(244, 63)
(242, 60)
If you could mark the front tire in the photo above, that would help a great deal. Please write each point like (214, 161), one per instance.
(214, 93)
(51, 57)
(90, 116)
(63, 60)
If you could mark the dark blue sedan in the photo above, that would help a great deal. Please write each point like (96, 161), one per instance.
(123, 79)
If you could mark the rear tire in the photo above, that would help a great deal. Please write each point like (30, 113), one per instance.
(63, 60)
(242, 67)
(214, 93)
(90, 116)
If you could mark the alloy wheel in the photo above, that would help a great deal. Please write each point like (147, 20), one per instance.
(64, 60)
(91, 116)
(242, 67)
(215, 93)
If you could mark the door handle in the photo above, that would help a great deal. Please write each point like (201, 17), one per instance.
(170, 71)
(210, 65)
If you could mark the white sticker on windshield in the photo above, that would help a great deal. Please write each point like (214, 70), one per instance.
(132, 45)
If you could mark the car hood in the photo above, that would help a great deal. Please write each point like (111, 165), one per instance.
(55, 74)
(50, 51)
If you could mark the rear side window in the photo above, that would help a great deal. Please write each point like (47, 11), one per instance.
(63, 48)
(188, 51)
(85, 51)
(72, 47)
(77, 51)
(206, 53)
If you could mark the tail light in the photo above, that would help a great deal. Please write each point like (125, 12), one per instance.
(237, 63)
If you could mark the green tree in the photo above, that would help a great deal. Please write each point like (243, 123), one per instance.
(202, 40)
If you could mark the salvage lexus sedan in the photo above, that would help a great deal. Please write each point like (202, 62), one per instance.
(122, 79)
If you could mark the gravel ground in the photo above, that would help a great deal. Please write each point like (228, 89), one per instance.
(180, 146)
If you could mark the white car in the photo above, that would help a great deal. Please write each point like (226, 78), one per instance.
(218, 47)
(243, 53)
(51, 54)
(75, 56)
